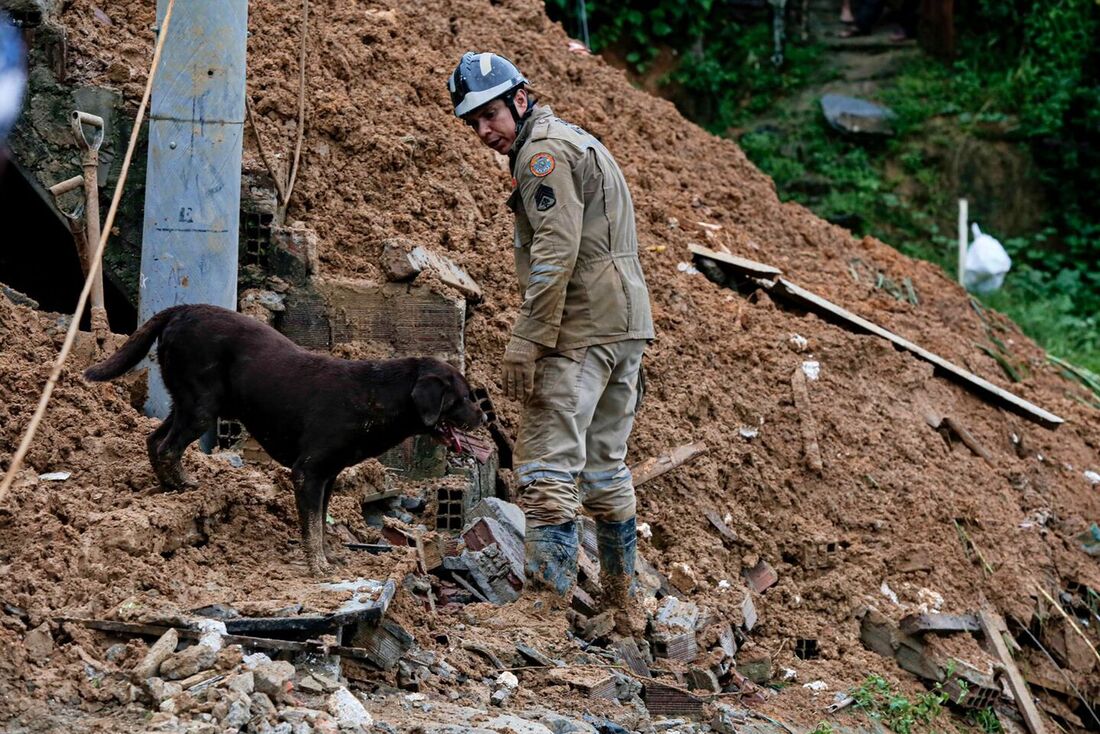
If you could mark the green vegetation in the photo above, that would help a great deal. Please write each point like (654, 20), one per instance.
(881, 701)
(1026, 72)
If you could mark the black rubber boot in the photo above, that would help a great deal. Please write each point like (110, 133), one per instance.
(552, 557)
(618, 547)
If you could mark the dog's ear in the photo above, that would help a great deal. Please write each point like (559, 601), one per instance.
(431, 396)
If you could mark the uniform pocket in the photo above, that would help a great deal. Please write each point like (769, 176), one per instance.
(558, 381)
(608, 304)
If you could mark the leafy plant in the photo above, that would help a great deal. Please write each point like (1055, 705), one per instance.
(880, 700)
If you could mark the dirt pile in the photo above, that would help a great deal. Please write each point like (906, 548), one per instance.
(383, 157)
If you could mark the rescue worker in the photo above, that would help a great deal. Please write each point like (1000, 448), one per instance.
(575, 353)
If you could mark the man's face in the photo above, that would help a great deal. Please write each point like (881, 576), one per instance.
(493, 122)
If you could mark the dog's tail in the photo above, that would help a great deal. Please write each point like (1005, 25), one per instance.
(133, 351)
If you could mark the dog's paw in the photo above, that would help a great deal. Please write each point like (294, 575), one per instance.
(319, 567)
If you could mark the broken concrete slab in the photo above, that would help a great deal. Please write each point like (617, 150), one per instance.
(592, 683)
(757, 667)
(188, 662)
(915, 624)
(703, 679)
(748, 612)
(403, 260)
(740, 265)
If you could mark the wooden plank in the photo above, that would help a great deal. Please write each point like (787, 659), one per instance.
(720, 525)
(986, 389)
(261, 643)
(655, 466)
(968, 439)
(915, 624)
(742, 265)
(993, 627)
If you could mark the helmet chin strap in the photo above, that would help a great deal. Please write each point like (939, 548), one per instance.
(510, 101)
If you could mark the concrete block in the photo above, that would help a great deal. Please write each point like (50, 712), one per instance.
(674, 614)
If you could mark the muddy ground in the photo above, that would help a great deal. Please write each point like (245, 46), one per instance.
(383, 157)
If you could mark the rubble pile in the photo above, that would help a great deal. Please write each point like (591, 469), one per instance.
(808, 489)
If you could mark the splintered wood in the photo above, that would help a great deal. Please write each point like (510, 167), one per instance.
(656, 466)
(809, 425)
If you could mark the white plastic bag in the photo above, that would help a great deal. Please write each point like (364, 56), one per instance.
(987, 263)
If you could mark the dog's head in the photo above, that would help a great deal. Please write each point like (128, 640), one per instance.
(442, 398)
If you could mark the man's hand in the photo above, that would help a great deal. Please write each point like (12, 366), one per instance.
(519, 368)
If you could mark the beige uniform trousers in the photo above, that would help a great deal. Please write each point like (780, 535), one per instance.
(572, 438)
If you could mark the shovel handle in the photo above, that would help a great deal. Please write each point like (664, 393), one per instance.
(79, 120)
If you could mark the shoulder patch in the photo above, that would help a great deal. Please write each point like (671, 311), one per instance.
(544, 198)
(542, 164)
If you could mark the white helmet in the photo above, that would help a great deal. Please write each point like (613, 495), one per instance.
(480, 78)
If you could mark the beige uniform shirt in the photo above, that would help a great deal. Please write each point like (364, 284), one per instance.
(576, 247)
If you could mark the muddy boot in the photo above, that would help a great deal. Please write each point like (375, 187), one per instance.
(552, 557)
(618, 546)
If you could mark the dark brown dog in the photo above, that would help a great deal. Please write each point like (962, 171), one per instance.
(311, 412)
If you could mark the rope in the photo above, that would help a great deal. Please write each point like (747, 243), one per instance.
(301, 104)
(93, 269)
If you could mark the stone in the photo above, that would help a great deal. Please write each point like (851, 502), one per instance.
(856, 116)
(599, 627)
(257, 658)
(39, 642)
(160, 690)
(564, 725)
(188, 662)
(239, 712)
(273, 678)
(299, 714)
(160, 650)
(515, 725)
(500, 696)
(727, 719)
(703, 679)
(243, 683)
(261, 705)
(309, 684)
(348, 710)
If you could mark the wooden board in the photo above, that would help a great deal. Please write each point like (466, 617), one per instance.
(655, 466)
(989, 391)
(993, 627)
(740, 264)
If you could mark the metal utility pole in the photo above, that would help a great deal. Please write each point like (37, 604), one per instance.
(193, 182)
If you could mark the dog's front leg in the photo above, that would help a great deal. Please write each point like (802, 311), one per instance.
(309, 493)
